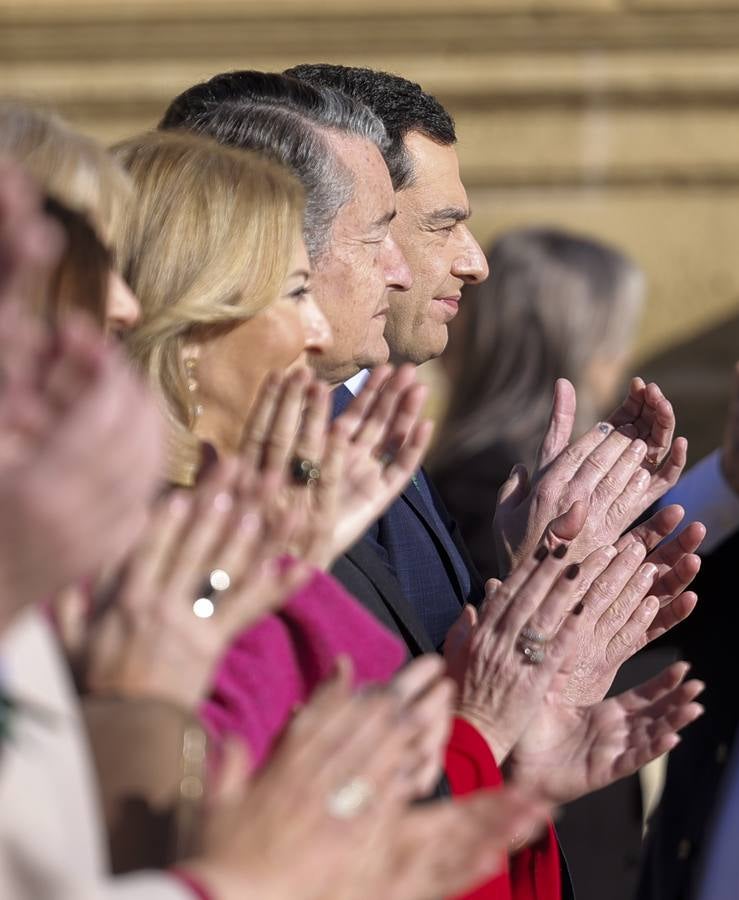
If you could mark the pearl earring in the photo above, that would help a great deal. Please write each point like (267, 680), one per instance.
(191, 371)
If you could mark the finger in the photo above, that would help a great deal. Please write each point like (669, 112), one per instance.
(374, 425)
(608, 584)
(676, 579)
(632, 635)
(655, 529)
(630, 410)
(408, 460)
(652, 690)
(686, 542)
(561, 423)
(355, 413)
(672, 614)
(601, 459)
(402, 423)
(527, 596)
(270, 586)
(260, 420)
(629, 600)
(514, 489)
(661, 418)
(418, 677)
(311, 439)
(569, 592)
(570, 460)
(280, 439)
(565, 528)
(146, 570)
(671, 469)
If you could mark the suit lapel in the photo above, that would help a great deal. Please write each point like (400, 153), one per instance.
(412, 496)
(385, 583)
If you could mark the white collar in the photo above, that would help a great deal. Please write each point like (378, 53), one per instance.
(355, 384)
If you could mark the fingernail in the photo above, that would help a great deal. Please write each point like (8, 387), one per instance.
(578, 608)
(636, 550)
(648, 570)
(572, 571)
(638, 448)
(223, 501)
(610, 552)
(541, 553)
(559, 551)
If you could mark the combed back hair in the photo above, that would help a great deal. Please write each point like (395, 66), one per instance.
(289, 121)
(208, 245)
(401, 105)
(554, 302)
(70, 167)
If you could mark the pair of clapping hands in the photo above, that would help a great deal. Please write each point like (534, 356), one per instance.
(583, 595)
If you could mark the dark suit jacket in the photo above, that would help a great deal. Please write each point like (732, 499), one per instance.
(708, 640)
(408, 535)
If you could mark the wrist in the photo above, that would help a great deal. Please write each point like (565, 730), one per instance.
(497, 744)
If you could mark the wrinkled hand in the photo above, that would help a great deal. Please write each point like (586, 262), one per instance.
(570, 750)
(278, 838)
(147, 641)
(366, 457)
(499, 689)
(632, 602)
(585, 493)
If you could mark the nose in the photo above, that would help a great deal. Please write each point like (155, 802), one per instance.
(318, 334)
(398, 275)
(470, 264)
(122, 308)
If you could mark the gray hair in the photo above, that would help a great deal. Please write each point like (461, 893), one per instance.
(290, 122)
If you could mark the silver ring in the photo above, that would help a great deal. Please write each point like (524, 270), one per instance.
(532, 653)
(533, 637)
(305, 471)
(217, 582)
(350, 799)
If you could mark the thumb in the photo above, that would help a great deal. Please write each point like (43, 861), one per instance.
(459, 635)
(513, 491)
(567, 526)
(561, 423)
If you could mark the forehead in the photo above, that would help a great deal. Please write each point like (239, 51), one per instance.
(373, 195)
(436, 183)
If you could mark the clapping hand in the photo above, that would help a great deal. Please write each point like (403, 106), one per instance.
(336, 478)
(588, 492)
(569, 750)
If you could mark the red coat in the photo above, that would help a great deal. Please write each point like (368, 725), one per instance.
(533, 873)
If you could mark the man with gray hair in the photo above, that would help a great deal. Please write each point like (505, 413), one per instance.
(334, 145)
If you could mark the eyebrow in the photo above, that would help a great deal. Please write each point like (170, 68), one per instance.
(298, 272)
(386, 219)
(453, 213)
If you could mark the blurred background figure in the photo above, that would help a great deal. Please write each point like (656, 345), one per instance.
(556, 305)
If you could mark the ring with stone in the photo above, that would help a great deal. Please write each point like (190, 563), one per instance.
(348, 801)
(305, 471)
(217, 582)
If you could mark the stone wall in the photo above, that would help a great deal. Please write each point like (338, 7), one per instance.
(616, 117)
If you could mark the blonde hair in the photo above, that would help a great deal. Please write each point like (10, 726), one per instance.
(68, 166)
(207, 243)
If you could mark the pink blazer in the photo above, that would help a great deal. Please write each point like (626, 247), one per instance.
(274, 666)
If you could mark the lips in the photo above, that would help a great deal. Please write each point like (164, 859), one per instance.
(382, 313)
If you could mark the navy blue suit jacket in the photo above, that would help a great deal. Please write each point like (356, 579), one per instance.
(417, 546)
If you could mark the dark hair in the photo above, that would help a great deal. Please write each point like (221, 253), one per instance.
(80, 280)
(287, 120)
(401, 105)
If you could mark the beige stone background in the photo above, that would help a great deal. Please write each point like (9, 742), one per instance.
(615, 117)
